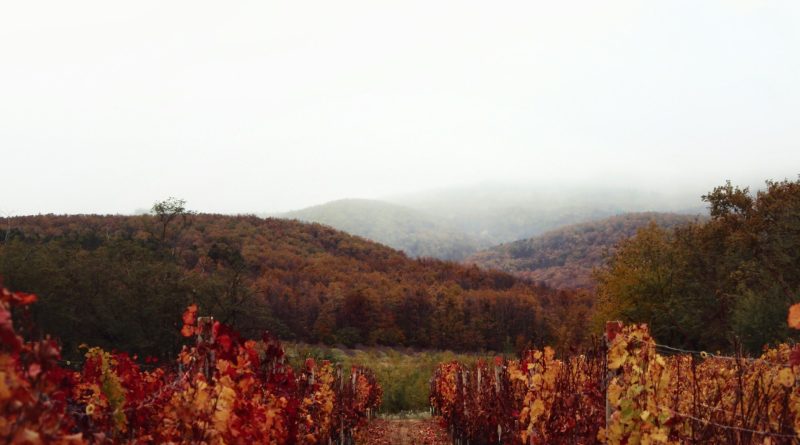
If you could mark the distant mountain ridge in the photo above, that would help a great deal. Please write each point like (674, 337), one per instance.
(565, 257)
(412, 231)
(456, 222)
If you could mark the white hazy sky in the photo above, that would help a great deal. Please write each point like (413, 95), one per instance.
(248, 106)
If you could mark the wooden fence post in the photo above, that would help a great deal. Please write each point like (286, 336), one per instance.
(205, 340)
(612, 329)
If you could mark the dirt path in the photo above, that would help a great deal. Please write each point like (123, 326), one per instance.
(405, 432)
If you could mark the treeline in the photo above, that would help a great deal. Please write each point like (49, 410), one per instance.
(708, 285)
(121, 282)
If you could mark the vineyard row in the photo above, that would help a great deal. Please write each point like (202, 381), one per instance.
(622, 391)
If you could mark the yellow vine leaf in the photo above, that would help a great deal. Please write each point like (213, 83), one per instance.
(659, 436)
(225, 403)
(616, 359)
(537, 409)
(614, 392)
(786, 377)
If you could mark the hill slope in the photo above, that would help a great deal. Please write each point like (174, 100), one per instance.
(123, 282)
(402, 228)
(565, 257)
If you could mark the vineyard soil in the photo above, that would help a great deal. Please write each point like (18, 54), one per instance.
(405, 432)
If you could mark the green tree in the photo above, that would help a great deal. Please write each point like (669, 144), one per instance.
(706, 285)
(169, 210)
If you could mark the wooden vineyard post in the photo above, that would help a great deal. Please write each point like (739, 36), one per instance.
(498, 369)
(205, 341)
(612, 329)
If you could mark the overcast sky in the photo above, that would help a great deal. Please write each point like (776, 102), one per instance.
(258, 106)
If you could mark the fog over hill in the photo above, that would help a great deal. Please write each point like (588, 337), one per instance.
(416, 233)
(456, 222)
(500, 213)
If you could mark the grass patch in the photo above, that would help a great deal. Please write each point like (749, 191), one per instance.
(403, 373)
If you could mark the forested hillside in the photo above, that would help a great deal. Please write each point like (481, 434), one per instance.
(566, 257)
(122, 282)
(710, 284)
(413, 232)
